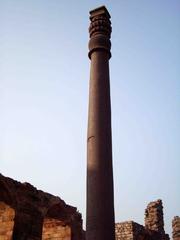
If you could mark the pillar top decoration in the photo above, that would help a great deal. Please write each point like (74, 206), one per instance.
(99, 11)
(100, 30)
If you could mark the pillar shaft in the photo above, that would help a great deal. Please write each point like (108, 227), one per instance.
(100, 199)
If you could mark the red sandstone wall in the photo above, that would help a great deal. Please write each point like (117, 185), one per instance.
(54, 229)
(32, 206)
(7, 215)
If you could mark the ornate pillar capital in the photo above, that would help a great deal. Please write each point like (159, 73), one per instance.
(100, 31)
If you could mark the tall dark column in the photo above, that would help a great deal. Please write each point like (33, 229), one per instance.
(100, 197)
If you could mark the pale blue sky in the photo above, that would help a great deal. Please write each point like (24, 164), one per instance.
(44, 75)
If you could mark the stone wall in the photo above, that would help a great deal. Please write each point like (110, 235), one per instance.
(133, 231)
(7, 215)
(154, 216)
(154, 226)
(24, 209)
(176, 228)
(124, 230)
(54, 229)
(28, 213)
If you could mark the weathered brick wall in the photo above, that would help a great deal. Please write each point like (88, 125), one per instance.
(31, 207)
(154, 216)
(54, 229)
(140, 233)
(133, 231)
(28, 213)
(154, 226)
(176, 228)
(124, 230)
(7, 215)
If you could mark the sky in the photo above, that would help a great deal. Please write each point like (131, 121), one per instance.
(44, 81)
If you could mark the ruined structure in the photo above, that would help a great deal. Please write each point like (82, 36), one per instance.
(100, 197)
(30, 214)
(154, 225)
(154, 219)
(176, 228)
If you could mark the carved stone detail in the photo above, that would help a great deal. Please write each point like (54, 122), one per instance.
(100, 31)
(100, 25)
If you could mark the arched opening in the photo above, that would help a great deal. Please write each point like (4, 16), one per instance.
(55, 225)
(7, 215)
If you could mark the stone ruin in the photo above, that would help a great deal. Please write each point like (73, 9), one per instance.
(176, 228)
(154, 219)
(153, 229)
(30, 214)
